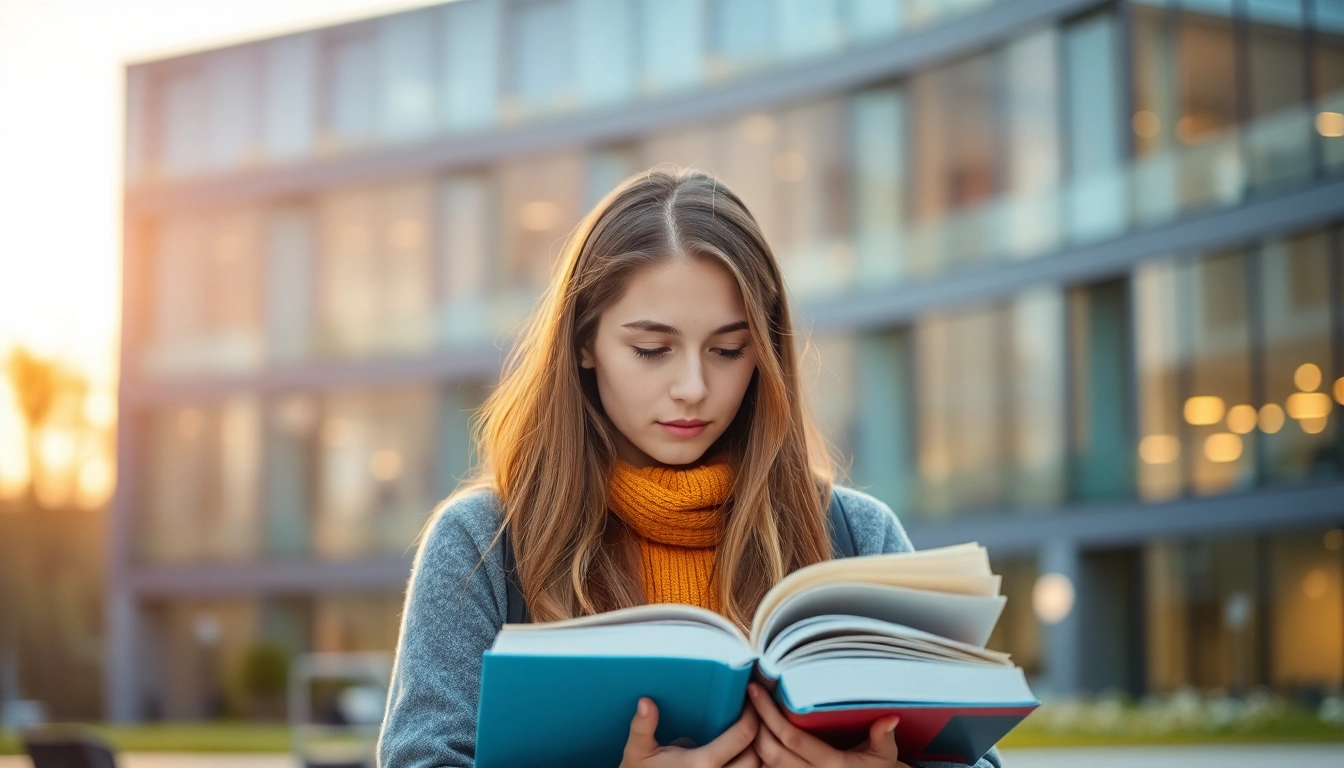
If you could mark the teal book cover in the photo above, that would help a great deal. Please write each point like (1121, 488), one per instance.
(575, 711)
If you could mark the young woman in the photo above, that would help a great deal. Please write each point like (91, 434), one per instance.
(648, 442)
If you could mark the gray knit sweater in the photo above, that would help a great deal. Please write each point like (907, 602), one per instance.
(454, 609)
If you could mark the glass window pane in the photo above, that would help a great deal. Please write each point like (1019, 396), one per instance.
(1295, 276)
(374, 472)
(807, 27)
(290, 96)
(183, 120)
(470, 73)
(1158, 359)
(873, 19)
(1033, 146)
(742, 32)
(1103, 458)
(466, 257)
(1328, 79)
(541, 200)
(291, 453)
(233, 78)
(1278, 139)
(1211, 169)
(1035, 384)
(672, 36)
(1097, 202)
(604, 54)
(351, 87)
(290, 277)
(812, 185)
(407, 58)
(1215, 320)
(880, 179)
(1307, 615)
(828, 367)
(608, 167)
(541, 57)
(883, 450)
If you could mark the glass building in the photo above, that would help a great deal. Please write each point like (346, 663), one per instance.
(1073, 272)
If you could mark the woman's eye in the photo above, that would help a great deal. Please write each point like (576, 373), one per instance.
(732, 354)
(650, 354)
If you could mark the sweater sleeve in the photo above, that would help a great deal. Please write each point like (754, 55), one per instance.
(878, 531)
(455, 606)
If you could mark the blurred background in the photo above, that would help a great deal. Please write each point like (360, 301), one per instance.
(1071, 271)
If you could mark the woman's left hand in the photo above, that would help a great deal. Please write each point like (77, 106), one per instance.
(780, 744)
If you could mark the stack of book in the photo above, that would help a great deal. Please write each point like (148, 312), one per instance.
(840, 643)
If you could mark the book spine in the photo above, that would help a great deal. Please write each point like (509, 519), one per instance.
(727, 695)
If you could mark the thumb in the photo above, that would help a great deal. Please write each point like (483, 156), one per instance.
(882, 738)
(641, 743)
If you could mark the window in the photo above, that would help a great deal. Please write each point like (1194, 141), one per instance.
(289, 96)
(183, 120)
(374, 472)
(672, 43)
(207, 298)
(1278, 139)
(291, 270)
(234, 127)
(1328, 79)
(470, 74)
(810, 179)
(466, 257)
(878, 126)
(542, 56)
(350, 66)
(604, 53)
(742, 32)
(807, 27)
(540, 206)
(1097, 203)
(204, 487)
(407, 74)
(1032, 148)
(376, 286)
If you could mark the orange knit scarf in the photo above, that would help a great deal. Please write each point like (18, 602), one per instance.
(677, 515)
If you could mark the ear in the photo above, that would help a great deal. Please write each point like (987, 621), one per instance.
(586, 357)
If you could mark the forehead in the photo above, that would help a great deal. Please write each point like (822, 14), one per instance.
(689, 293)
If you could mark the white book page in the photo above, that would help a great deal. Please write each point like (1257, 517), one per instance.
(639, 614)
(828, 630)
(835, 682)
(964, 618)
(646, 639)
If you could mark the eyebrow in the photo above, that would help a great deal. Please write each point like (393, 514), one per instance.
(655, 327)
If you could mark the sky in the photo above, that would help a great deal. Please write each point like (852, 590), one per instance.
(61, 140)
(62, 66)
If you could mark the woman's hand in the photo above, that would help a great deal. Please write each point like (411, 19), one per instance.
(732, 749)
(782, 745)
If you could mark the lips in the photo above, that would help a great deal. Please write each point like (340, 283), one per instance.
(684, 428)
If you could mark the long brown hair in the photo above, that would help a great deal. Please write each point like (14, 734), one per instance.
(545, 447)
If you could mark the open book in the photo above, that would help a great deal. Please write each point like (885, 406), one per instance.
(841, 643)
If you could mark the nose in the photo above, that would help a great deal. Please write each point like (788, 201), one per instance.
(689, 386)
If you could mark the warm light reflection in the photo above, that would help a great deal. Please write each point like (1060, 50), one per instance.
(1334, 539)
(758, 129)
(1146, 123)
(1315, 584)
(1308, 405)
(1339, 390)
(1052, 597)
(1271, 418)
(1314, 425)
(1330, 124)
(1159, 449)
(790, 166)
(1222, 447)
(1241, 419)
(539, 216)
(1307, 377)
(386, 465)
(95, 483)
(1203, 410)
(100, 409)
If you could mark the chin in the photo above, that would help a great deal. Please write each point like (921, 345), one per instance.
(678, 455)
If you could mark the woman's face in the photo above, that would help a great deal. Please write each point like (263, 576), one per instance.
(673, 358)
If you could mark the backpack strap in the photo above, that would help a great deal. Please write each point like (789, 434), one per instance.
(842, 545)
(842, 536)
(516, 606)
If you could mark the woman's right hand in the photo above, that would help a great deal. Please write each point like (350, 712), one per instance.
(732, 749)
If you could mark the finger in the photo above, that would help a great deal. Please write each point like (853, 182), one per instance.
(732, 741)
(882, 738)
(748, 759)
(641, 743)
(800, 742)
(774, 754)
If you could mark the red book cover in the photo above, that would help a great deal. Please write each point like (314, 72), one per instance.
(957, 734)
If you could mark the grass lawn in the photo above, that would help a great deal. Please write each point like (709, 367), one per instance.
(183, 737)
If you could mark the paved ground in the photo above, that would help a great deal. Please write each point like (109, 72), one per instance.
(1237, 756)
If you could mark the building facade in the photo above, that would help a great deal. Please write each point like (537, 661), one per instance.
(1073, 272)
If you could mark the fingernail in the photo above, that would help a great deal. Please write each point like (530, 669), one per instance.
(753, 690)
(643, 708)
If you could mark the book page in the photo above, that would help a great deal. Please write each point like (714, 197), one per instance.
(639, 614)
